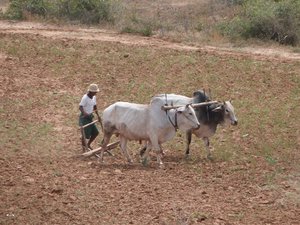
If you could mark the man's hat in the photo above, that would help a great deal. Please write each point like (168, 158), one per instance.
(93, 88)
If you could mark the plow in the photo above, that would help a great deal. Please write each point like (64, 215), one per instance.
(86, 150)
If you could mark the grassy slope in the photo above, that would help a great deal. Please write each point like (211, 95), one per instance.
(43, 80)
(265, 92)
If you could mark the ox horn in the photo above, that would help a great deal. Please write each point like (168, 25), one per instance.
(219, 108)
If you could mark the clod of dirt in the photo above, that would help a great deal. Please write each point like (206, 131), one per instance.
(57, 190)
(29, 180)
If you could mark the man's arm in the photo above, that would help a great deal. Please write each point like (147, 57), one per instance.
(82, 111)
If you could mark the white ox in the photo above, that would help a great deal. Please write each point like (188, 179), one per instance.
(146, 123)
(209, 116)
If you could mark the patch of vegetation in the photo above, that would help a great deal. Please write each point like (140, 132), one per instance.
(143, 30)
(27, 137)
(84, 11)
(266, 19)
(237, 19)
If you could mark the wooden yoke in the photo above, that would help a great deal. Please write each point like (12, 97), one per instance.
(194, 105)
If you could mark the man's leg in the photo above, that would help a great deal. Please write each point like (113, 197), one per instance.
(82, 121)
(93, 137)
(94, 134)
(82, 140)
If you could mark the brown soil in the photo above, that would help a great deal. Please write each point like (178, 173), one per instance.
(71, 190)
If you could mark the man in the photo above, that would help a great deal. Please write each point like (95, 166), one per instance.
(87, 106)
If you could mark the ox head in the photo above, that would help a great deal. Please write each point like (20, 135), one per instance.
(200, 96)
(186, 118)
(228, 111)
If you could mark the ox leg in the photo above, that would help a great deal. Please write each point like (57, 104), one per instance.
(188, 136)
(145, 157)
(160, 156)
(105, 142)
(143, 150)
(161, 150)
(206, 142)
(123, 145)
(157, 147)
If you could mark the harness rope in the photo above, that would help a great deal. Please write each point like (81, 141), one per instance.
(174, 125)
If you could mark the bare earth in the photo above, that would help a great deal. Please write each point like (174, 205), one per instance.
(104, 35)
(70, 190)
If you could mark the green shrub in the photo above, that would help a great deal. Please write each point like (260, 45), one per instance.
(134, 24)
(234, 2)
(255, 20)
(37, 7)
(15, 10)
(85, 11)
(263, 18)
(288, 14)
(144, 30)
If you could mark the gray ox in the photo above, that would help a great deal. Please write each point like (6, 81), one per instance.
(208, 116)
(148, 123)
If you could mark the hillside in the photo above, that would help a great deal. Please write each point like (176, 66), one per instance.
(254, 177)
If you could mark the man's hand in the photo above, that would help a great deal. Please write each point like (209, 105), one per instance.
(85, 114)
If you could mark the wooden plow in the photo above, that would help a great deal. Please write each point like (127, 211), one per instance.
(86, 150)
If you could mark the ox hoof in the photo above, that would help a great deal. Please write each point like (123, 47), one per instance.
(145, 161)
(162, 166)
(187, 156)
(100, 161)
(142, 151)
(210, 158)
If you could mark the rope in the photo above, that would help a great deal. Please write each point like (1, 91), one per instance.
(174, 125)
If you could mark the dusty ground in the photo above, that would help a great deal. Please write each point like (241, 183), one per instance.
(43, 183)
(110, 36)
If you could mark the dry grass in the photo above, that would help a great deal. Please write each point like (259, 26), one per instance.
(42, 81)
(264, 92)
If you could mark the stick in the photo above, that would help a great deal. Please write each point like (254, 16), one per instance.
(88, 124)
(85, 147)
(108, 147)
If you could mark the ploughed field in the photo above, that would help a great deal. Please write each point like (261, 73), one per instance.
(254, 177)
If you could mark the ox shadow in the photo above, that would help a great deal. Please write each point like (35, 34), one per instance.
(176, 159)
(170, 162)
(125, 166)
